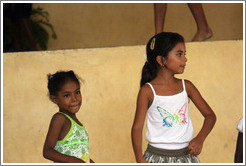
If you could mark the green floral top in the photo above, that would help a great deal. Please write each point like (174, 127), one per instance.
(75, 143)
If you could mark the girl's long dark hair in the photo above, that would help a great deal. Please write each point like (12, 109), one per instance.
(158, 45)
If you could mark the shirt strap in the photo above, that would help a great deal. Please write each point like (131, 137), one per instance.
(151, 88)
(183, 82)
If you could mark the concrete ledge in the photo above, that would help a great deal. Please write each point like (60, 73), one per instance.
(111, 83)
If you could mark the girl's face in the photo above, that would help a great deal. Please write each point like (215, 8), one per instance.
(69, 97)
(176, 60)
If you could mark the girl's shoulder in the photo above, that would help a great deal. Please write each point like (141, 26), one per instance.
(146, 91)
(59, 118)
(189, 86)
(187, 82)
(59, 115)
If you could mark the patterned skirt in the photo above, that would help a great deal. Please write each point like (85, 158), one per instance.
(156, 155)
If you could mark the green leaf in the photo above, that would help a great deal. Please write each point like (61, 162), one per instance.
(40, 25)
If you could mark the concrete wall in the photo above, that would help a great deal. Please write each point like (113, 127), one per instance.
(89, 25)
(111, 83)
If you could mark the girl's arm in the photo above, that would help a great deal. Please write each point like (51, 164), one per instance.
(55, 128)
(195, 146)
(137, 128)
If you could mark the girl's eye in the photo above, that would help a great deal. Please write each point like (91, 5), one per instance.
(78, 92)
(180, 54)
(66, 96)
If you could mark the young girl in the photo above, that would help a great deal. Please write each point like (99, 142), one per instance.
(164, 98)
(67, 139)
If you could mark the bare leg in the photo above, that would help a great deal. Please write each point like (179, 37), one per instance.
(160, 13)
(203, 30)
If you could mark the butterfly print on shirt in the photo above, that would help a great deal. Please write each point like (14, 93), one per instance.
(169, 118)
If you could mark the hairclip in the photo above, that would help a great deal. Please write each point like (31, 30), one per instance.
(152, 44)
(51, 77)
(71, 72)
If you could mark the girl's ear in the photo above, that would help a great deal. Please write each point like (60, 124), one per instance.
(53, 99)
(160, 60)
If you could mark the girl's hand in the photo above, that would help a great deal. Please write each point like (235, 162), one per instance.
(195, 146)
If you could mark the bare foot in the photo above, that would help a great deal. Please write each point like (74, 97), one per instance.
(203, 35)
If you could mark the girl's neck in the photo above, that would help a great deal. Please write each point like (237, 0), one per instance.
(165, 77)
(71, 115)
(68, 113)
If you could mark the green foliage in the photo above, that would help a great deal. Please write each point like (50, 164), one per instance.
(40, 21)
(41, 27)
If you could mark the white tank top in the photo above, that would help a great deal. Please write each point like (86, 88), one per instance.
(168, 121)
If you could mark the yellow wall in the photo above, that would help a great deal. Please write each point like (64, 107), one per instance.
(90, 25)
(109, 93)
